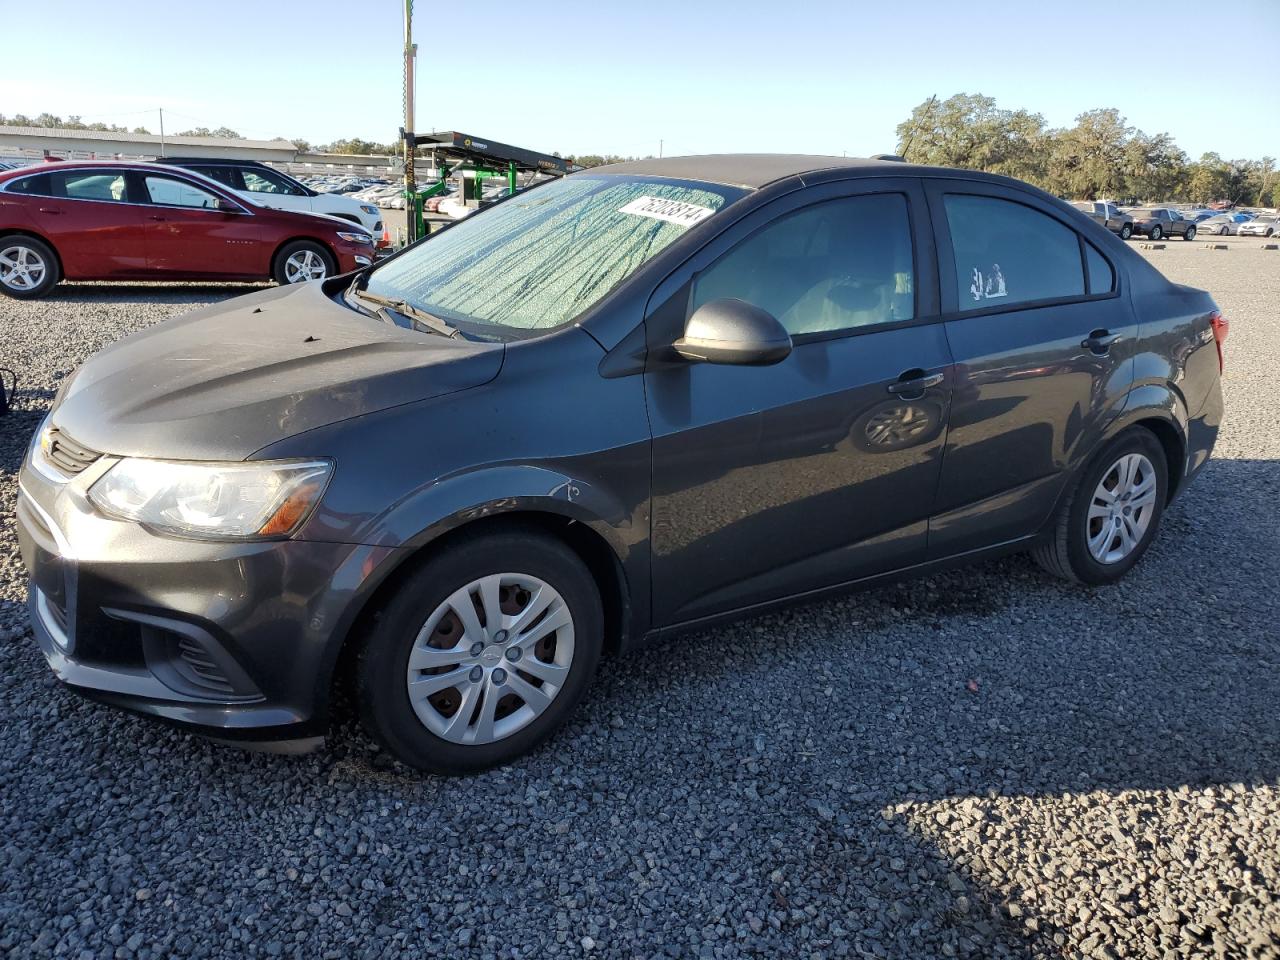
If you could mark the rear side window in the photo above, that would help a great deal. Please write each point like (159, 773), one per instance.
(89, 185)
(37, 186)
(1102, 279)
(834, 266)
(227, 176)
(1007, 253)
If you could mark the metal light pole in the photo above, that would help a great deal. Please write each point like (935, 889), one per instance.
(410, 145)
(161, 109)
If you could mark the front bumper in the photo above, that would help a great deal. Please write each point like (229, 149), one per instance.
(235, 640)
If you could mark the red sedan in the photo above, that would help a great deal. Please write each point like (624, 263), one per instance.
(140, 221)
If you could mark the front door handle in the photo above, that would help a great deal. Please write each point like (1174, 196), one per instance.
(53, 210)
(912, 384)
(1100, 341)
(156, 217)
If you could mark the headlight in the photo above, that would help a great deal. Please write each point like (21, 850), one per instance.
(372, 211)
(356, 237)
(238, 501)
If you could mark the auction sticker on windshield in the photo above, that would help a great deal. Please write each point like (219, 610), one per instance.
(673, 211)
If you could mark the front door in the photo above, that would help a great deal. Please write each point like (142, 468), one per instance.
(188, 236)
(769, 481)
(1043, 340)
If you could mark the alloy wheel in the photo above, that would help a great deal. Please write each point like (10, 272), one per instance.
(491, 658)
(21, 268)
(304, 265)
(1121, 509)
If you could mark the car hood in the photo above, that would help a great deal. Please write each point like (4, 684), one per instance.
(229, 379)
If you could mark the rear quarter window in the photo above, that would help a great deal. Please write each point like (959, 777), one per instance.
(36, 185)
(1007, 253)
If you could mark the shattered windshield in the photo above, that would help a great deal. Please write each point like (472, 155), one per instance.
(541, 258)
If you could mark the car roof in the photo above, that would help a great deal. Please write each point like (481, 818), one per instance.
(211, 162)
(142, 165)
(754, 170)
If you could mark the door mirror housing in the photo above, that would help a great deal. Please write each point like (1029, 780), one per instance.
(226, 206)
(733, 331)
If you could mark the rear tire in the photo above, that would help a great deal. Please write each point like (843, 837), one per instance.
(1156, 233)
(28, 267)
(302, 260)
(1190, 234)
(1097, 542)
(1126, 232)
(426, 632)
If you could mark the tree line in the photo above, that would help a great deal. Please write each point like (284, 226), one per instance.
(1101, 157)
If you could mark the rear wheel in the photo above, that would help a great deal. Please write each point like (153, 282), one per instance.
(482, 653)
(303, 260)
(1156, 233)
(1190, 234)
(28, 267)
(1111, 516)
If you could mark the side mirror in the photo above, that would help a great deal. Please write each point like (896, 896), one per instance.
(225, 206)
(733, 331)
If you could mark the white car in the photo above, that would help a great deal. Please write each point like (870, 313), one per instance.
(1263, 225)
(271, 188)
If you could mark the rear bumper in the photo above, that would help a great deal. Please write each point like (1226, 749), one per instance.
(234, 640)
(1202, 434)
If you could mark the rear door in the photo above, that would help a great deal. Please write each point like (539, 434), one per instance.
(187, 235)
(94, 222)
(769, 481)
(1043, 338)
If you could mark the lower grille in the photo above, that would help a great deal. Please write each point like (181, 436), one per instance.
(203, 669)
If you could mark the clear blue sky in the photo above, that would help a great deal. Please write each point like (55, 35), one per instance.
(606, 77)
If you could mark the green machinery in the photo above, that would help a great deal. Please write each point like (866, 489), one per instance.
(455, 152)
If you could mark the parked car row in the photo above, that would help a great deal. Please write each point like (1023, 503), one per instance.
(1158, 223)
(116, 220)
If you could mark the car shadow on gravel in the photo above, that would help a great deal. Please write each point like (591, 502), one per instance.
(87, 292)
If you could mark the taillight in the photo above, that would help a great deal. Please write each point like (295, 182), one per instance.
(1220, 330)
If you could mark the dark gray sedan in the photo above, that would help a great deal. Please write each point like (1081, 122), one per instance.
(610, 409)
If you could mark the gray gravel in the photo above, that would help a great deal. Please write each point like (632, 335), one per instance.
(821, 783)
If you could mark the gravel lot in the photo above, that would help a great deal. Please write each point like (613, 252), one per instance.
(819, 783)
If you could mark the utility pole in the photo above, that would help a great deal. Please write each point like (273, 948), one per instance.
(659, 149)
(161, 109)
(410, 143)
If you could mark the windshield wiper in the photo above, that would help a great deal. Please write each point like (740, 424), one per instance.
(416, 314)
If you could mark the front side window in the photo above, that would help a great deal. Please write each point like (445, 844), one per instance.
(834, 266)
(88, 185)
(542, 257)
(265, 181)
(1008, 253)
(178, 193)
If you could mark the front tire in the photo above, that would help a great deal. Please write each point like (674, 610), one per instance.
(482, 653)
(28, 267)
(302, 260)
(1190, 234)
(1112, 514)
(1156, 233)
(1126, 232)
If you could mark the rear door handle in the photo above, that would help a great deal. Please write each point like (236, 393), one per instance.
(911, 387)
(1100, 341)
(155, 217)
(53, 210)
